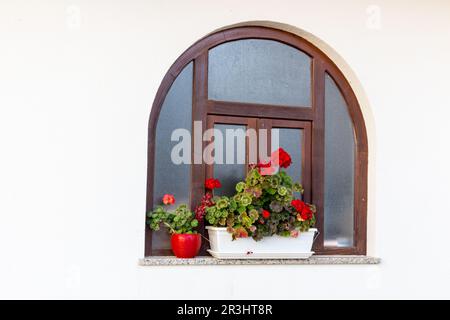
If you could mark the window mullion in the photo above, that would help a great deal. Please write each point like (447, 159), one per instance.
(318, 147)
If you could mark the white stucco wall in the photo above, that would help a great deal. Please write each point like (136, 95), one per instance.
(77, 79)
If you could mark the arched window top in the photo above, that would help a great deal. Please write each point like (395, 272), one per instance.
(262, 76)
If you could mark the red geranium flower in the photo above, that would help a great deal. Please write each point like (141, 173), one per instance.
(266, 169)
(265, 214)
(212, 183)
(168, 199)
(304, 210)
(281, 158)
(306, 213)
(298, 205)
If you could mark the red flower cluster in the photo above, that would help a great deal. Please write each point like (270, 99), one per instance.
(200, 210)
(168, 199)
(265, 214)
(298, 204)
(265, 169)
(280, 158)
(304, 211)
(212, 183)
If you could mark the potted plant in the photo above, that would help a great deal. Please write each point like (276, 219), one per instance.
(181, 224)
(263, 219)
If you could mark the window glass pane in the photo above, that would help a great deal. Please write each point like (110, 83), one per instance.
(291, 141)
(339, 168)
(259, 71)
(176, 113)
(228, 173)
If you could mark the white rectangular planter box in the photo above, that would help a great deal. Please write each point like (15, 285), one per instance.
(275, 247)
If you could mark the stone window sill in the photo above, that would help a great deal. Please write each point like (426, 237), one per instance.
(207, 260)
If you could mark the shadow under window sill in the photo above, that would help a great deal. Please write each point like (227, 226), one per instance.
(208, 260)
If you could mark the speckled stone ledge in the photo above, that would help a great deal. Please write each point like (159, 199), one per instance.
(205, 261)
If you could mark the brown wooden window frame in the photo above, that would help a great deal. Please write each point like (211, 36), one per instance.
(202, 107)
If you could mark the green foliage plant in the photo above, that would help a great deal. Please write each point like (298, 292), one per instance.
(264, 204)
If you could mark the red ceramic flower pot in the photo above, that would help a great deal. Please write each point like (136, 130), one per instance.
(186, 245)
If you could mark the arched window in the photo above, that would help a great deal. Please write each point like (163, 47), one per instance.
(260, 77)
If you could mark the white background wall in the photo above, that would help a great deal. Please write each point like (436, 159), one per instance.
(77, 79)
